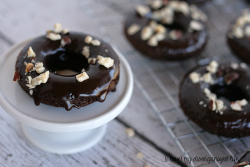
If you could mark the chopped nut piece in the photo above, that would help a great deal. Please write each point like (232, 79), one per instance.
(212, 105)
(242, 102)
(206, 91)
(153, 41)
(201, 103)
(134, 28)
(39, 67)
(212, 67)
(175, 34)
(238, 32)
(86, 51)
(31, 92)
(91, 60)
(29, 66)
(146, 33)
(65, 31)
(65, 41)
(247, 31)
(105, 61)
(230, 77)
(95, 42)
(160, 28)
(139, 155)
(219, 104)
(160, 36)
(142, 10)
(16, 76)
(42, 78)
(82, 77)
(53, 36)
(212, 96)
(152, 24)
(195, 25)
(30, 52)
(130, 132)
(156, 4)
(58, 27)
(236, 106)
(195, 77)
(88, 39)
(207, 78)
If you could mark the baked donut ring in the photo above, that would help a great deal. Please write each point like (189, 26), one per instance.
(95, 62)
(216, 97)
(167, 30)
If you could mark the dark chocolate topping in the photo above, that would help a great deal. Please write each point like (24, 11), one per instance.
(55, 57)
(168, 49)
(231, 121)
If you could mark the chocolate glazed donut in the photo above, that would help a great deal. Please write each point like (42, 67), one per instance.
(180, 42)
(238, 37)
(66, 91)
(218, 102)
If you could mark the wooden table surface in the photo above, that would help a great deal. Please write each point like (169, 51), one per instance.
(161, 128)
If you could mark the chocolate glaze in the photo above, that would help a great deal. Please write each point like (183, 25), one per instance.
(191, 43)
(231, 123)
(66, 88)
(196, 1)
(245, 158)
(240, 47)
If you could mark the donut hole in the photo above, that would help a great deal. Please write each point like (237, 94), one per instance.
(229, 93)
(66, 63)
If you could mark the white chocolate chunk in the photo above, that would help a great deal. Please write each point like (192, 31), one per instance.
(195, 77)
(142, 10)
(31, 92)
(86, 51)
(88, 39)
(152, 24)
(243, 65)
(236, 106)
(30, 52)
(153, 41)
(82, 77)
(96, 42)
(195, 25)
(53, 36)
(146, 33)
(134, 28)
(213, 105)
(175, 34)
(58, 27)
(105, 61)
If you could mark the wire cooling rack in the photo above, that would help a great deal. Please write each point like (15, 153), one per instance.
(159, 80)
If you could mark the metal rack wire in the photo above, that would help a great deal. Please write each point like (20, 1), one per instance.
(108, 17)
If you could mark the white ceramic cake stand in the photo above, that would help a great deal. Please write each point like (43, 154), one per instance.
(54, 129)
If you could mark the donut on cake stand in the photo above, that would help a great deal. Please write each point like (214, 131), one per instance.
(54, 129)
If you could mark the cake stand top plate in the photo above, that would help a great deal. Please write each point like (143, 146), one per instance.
(56, 119)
